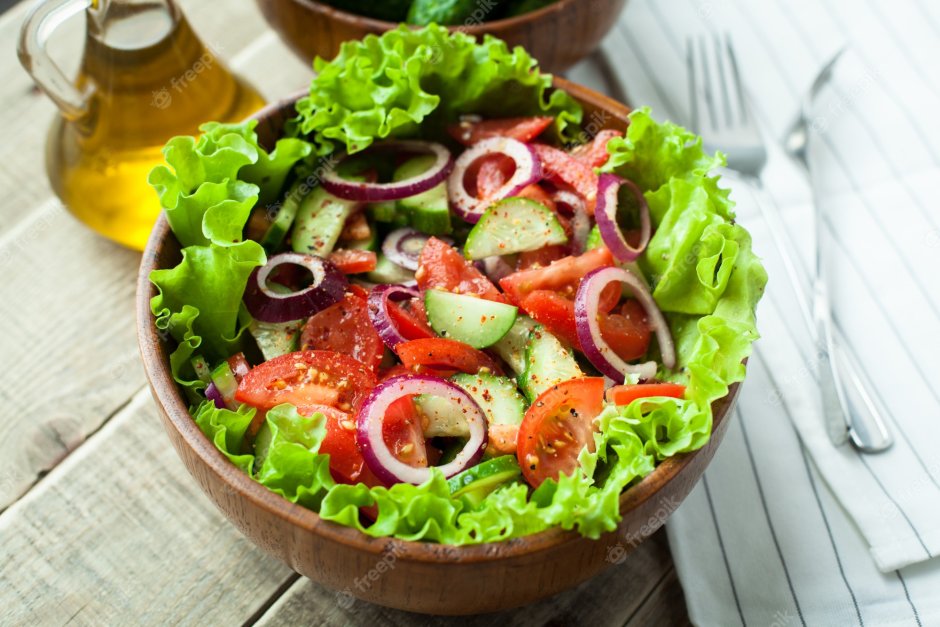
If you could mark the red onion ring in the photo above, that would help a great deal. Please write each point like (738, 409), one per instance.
(371, 417)
(580, 220)
(213, 394)
(378, 311)
(606, 215)
(364, 191)
(328, 287)
(403, 246)
(595, 348)
(528, 171)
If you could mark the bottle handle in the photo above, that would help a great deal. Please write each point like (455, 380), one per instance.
(35, 33)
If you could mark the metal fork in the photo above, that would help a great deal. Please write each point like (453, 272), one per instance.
(721, 115)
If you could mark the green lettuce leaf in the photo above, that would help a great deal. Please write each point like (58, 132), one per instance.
(227, 430)
(288, 446)
(387, 86)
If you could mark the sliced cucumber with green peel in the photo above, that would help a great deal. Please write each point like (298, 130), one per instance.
(320, 220)
(594, 239)
(442, 418)
(511, 348)
(547, 362)
(202, 369)
(388, 272)
(273, 238)
(224, 380)
(474, 321)
(428, 212)
(497, 396)
(513, 225)
(387, 212)
(276, 339)
(475, 483)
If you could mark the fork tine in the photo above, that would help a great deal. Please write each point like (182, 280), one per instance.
(707, 83)
(721, 60)
(693, 82)
(738, 86)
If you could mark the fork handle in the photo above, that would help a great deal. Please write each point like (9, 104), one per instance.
(852, 407)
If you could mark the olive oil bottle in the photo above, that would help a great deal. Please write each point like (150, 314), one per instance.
(144, 77)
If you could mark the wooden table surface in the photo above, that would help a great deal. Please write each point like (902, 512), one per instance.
(99, 521)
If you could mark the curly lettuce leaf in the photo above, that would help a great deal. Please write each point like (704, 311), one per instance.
(387, 86)
(287, 456)
(227, 430)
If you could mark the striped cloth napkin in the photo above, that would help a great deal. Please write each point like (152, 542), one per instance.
(785, 528)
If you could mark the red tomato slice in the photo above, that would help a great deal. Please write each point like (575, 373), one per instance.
(542, 257)
(626, 394)
(346, 463)
(485, 176)
(557, 426)
(353, 261)
(525, 129)
(537, 193)
(442, 267)
(445, 354)
(345, 328)
(629, 337)
(595, 154)
(403, 434)
(562, 276)
(308, 378)
(561, 168)
(410, 319)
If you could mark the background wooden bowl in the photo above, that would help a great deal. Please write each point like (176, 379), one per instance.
(415, 576)
(558, 35)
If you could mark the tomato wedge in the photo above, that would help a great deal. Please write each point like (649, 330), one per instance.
(445, 354)
(626, 394)
(542, 257)
(353, 261)
(442, 267)
(561, 168)
(556, 427)
(345, 328)
(594, 153)
(487, 175)
(403, 434)
(346, 462)
(410, 319)
(305, 378)
(525, 129)
(562, 276)
(628, 336)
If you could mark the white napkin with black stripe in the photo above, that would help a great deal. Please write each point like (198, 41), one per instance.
(785, 528)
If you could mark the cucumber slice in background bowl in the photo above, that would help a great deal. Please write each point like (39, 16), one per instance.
(513, 225)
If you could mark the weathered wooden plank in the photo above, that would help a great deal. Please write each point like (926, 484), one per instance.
(609, 599)
(664, 606)
(118, 533)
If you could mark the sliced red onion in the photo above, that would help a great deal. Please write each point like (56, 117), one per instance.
(378, 311)
(580, 220)
(375, 451)
(403, 246)
(213, 394)
(365, 191)
(495, 268)
(606, 215)
(528, 171)
(328, 287)
(596, 349)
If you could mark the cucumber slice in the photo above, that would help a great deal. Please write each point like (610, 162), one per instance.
(497, 396)
(442, 419)
(387, 212)
(428, 212)
(320, 221)
(594, 239)
(547, 362)
(276, 339)
(475, 483)
(388, 272)
(474, 321)
(202, 369)
(512, 345)
(513, 225)
(273, 238)
(225, 381)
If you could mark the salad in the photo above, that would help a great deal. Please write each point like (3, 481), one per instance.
(438, 309)
(446, 12)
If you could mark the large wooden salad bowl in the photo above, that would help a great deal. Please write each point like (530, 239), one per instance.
(558, 35)
(416, 576)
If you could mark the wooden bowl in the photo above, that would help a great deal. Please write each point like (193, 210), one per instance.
(414, 576)
(558, 35)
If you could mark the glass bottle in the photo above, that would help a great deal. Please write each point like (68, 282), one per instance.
(144, 77)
